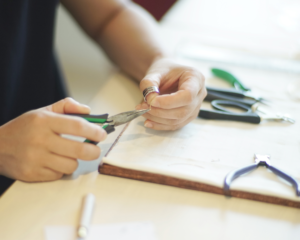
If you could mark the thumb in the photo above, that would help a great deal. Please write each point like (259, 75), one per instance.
(151, 80)
(69, 105)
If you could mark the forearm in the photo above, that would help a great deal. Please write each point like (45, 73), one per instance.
(131, 40)
(126, 32)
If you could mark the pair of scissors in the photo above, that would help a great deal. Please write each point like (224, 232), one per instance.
(253, 112)
(240, 90)
(229, 94)
(109, 123)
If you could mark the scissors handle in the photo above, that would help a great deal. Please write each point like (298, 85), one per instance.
(218, 105)
(220, 115)
(212, 95)
(232, 92)
(228, 77)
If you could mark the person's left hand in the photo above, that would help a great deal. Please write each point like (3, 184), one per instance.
(182, 90)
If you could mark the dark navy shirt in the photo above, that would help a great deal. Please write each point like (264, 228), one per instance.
(29, 74)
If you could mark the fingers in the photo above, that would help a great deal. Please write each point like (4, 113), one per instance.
(189, 88)
(149, 81)
(33, 150)
(73, 149)
(42, 174)
(61, 164)
(47, 174)
(174, 100)
(176, 113)
(62, 124)
(165, 121)
(69, 105)
(169, 127)
(159, 119)
(182, 92)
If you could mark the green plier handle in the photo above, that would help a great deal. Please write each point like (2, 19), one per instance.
(92, 118)
(109, 123)
(228, 77)
(102, 119)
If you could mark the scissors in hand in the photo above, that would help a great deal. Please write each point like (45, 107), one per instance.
(109, 123)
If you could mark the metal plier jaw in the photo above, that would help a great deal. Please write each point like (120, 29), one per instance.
(260, 160)
(121, 118)
(109, 123)
(125, 117)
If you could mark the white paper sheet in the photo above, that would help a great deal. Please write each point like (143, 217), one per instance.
(120, 231)
(207, 150)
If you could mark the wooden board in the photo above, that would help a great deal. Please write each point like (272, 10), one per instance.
(181, 183)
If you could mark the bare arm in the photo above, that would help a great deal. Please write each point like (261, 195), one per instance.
(125, 31)
(129, 36)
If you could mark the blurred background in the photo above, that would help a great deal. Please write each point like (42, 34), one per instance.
(253, 33)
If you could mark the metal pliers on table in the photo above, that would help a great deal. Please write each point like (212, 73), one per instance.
(109, 123)
(240, 90)
(260, 160)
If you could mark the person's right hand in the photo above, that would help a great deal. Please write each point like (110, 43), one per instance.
(32, 149)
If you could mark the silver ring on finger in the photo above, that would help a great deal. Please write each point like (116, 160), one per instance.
(149, 90)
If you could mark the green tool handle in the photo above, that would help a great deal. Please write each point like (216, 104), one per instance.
(228, 77)
(108, 128)
(91, 118)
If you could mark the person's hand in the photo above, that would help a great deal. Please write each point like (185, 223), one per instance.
(182, 90)
(31, 148)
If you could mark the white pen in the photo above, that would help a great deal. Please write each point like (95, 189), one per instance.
(86, 215)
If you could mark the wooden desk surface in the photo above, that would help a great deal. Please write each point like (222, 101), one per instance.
(25, 209)
(176, 213)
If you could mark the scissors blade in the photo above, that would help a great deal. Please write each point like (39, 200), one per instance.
(251, 95)
(265, 114)
(125, 117)
(288, 119)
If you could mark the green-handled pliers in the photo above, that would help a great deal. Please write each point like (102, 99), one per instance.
(109, 123)
(237, 84)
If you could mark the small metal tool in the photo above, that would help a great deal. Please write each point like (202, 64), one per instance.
(125, 117)
(109, 123)
(260, 160)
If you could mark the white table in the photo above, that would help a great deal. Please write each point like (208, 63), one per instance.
(25, 209)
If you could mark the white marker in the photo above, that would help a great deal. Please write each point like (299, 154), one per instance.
(86, 215)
